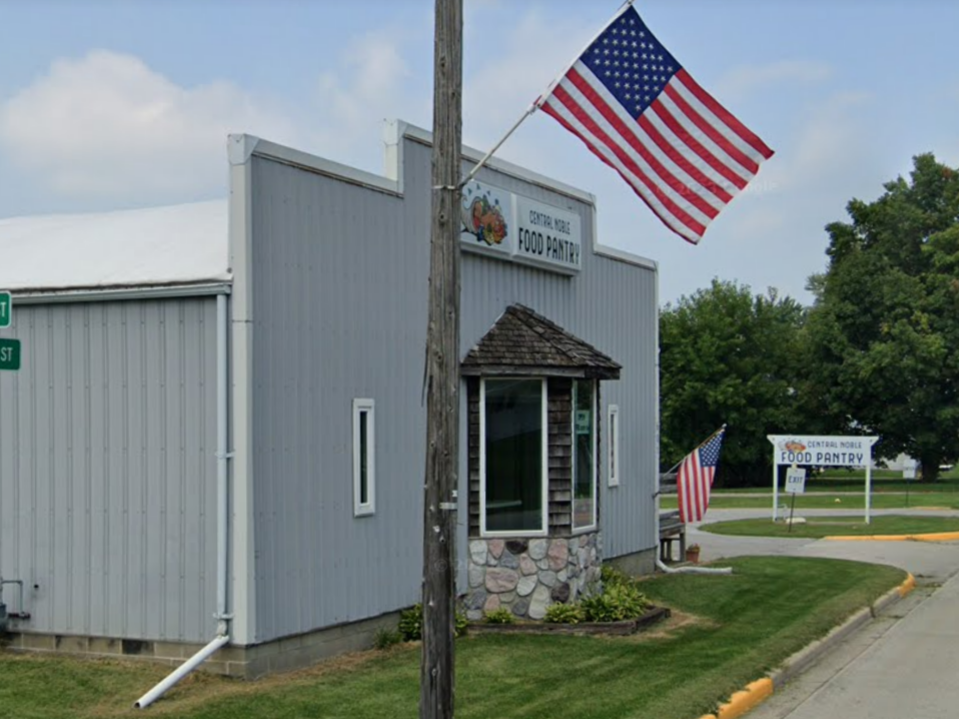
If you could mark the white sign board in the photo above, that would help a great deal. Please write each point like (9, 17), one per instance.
(822, 451)
(795, 480)
(502, 224)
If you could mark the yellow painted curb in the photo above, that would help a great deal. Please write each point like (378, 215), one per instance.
(932, 537)
(745, 700)
(907, 586)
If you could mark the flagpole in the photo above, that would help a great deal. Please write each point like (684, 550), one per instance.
(541, 99)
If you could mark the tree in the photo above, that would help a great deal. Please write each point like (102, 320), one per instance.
(884, 332)
(729, 357)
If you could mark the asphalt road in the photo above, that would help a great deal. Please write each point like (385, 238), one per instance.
(903, 665)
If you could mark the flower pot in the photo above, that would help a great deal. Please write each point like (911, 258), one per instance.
(692, 555)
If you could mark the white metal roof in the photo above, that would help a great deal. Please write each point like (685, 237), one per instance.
(129, 248)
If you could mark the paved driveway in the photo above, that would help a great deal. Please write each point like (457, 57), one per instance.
(903, 665)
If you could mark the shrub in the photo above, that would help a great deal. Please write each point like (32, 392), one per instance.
(386, 638)
(565, 614)
(499, 616)
(616, 603)
(612, 576)
(411, 623)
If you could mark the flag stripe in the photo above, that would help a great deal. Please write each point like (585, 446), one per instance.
(614, 155)
(699, 145)
(639, 142)
(560, 116)
(747, 135)
(694, 118)
(695, 168)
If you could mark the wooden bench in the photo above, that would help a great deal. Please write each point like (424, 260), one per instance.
(671, 527)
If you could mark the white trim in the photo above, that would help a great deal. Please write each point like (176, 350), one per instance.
(612, 446)
(545, 463)
(364, 407)
(592, 465)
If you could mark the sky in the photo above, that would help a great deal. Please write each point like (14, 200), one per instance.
(114, 104)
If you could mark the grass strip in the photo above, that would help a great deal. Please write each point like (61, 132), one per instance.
(817, 500)
(818, 527)
(746, 623)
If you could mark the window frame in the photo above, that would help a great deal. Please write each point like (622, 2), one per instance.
(365, 406)
(592, 526)
(612, 448)
(544, 433)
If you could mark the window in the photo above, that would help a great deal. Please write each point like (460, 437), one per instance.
(364, 458)
(513, 460)
(584, 454)
(613, 444)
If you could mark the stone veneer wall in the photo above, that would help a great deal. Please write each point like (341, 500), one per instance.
(527, 575)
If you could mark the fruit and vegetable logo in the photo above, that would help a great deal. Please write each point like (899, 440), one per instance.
(483, 217)
(791, 445)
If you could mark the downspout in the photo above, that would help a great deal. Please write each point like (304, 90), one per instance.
(222, 519)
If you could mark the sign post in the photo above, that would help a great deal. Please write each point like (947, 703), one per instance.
(822, 451)
(6, 309)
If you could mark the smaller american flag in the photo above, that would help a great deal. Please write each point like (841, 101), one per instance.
(694, 481)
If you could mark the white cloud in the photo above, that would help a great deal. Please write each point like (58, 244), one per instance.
(107, 126)
(747, 80)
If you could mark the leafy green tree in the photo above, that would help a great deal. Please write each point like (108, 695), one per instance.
(727, 356)
(884, 332)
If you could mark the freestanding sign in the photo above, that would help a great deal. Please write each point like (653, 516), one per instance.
(6, 309)
(9, 354)
(821, 451)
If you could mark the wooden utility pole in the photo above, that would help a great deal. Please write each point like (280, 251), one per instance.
(442, 367)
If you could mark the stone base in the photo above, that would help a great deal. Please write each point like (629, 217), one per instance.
(527, 575)
(247, 662)
(638, 564)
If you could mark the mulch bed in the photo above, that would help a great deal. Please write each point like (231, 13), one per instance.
(630, 626)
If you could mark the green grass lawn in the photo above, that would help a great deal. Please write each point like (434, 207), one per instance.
(822, 500)
(816, 527)
(742, 625)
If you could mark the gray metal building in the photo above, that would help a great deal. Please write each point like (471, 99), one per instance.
(116, 471)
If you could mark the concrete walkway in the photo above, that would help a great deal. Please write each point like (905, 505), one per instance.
(903, 665)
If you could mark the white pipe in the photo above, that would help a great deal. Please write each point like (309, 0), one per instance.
(663, 567)
(222, 508)
(181, 671)
(222, 458)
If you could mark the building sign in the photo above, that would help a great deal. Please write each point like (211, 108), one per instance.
(6, 309)
(506, 225)
(822, 451)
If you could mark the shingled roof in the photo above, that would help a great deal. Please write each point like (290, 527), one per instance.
(523, 342)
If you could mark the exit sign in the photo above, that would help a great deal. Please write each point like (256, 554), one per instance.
(9, 354)
(6, 309)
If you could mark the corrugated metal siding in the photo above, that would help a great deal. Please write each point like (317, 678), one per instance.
(107, 468)
(340, 286)
(339, 313)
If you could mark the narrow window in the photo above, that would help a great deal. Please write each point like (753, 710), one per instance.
(584, 454)
(613, 442)
(513, 456)
(364, 458)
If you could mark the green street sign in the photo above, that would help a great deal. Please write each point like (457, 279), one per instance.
(6, 309)
(9, 354)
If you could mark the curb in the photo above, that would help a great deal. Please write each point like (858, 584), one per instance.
(932, 537)
(758, 691)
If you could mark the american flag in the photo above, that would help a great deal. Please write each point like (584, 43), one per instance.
(640, 112)
(695, 478)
